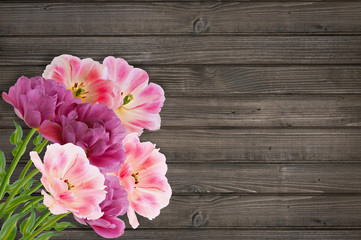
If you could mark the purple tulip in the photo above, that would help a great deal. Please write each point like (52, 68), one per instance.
(36, 99)
(115, 204)
(95, 128)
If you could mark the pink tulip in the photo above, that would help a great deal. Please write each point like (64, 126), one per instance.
(137, 104)
(143, 176)
(86, 78)
(74, 185)
(36, 99)
(115, 204)
(93, 127)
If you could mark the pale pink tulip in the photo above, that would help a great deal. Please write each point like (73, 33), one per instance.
(136, 103)
(74, 185)
(86, 78)
(143, 176)
(115, 204)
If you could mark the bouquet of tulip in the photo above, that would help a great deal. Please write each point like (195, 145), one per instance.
(94, 167)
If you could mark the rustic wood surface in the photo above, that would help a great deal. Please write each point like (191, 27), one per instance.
(262, 122)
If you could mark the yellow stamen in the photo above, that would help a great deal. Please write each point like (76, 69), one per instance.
(79, 91)
(67, 183)
(134, 175)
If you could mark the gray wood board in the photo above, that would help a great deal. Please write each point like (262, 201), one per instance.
(248, 111)
(216, 234)
(226, 80)
(253, 179)
(178, 18)
(195, 50)
(249, 145)
(209, 211)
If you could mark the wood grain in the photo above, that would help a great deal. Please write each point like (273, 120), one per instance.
(211, 234)
(127, 1)
(207, 211)
(124, 18)
(232, 211)
(248, 111)
(232, 80)
(258, 145)
(264, 178)
(249, 145)
(243, 179)
(263, 111)
(167, 50)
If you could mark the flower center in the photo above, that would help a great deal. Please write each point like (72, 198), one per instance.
(134, 175)
(68, 183)
(78, 90)
(127, 99)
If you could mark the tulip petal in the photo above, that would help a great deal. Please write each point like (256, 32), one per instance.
(51, 131)
(108, 226)
(133, 220)
(54, 206)
(73, 184)
(34, 156)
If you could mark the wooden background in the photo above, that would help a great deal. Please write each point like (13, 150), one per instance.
(262, 122)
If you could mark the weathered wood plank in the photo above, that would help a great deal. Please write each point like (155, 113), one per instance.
(124, 18)
(209, 211)
(262, 111)
(205, 178)
(127, 1)
(258, 145)
(248, 111)
(212, 234)
(187, 49)
(249, 145)
(264, 178)
(233, 211)
(229, 80)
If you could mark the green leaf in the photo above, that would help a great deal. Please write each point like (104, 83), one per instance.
(37, 141)
(9, 228)
(47, 235)
(58, 226)
(49, 219)
(15, 150)
(11, 187)
(16, 137)
(18, 200)
(29, 184)
(2, 165)
(62, 225)
(31, 204)
(2, 161)
(17, 134)
(28, 223)
(40, 207)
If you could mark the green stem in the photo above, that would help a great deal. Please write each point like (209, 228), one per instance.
(40, 220)
(30, 191)
(46, 225)
(9, 215)
(13, 164)
(25, 170)
(16, 190)
(29, 204)
(10, 210)
(39, 149)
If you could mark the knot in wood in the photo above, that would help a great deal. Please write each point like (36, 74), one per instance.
(199, 25)
(198, 189)
(199, 219)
